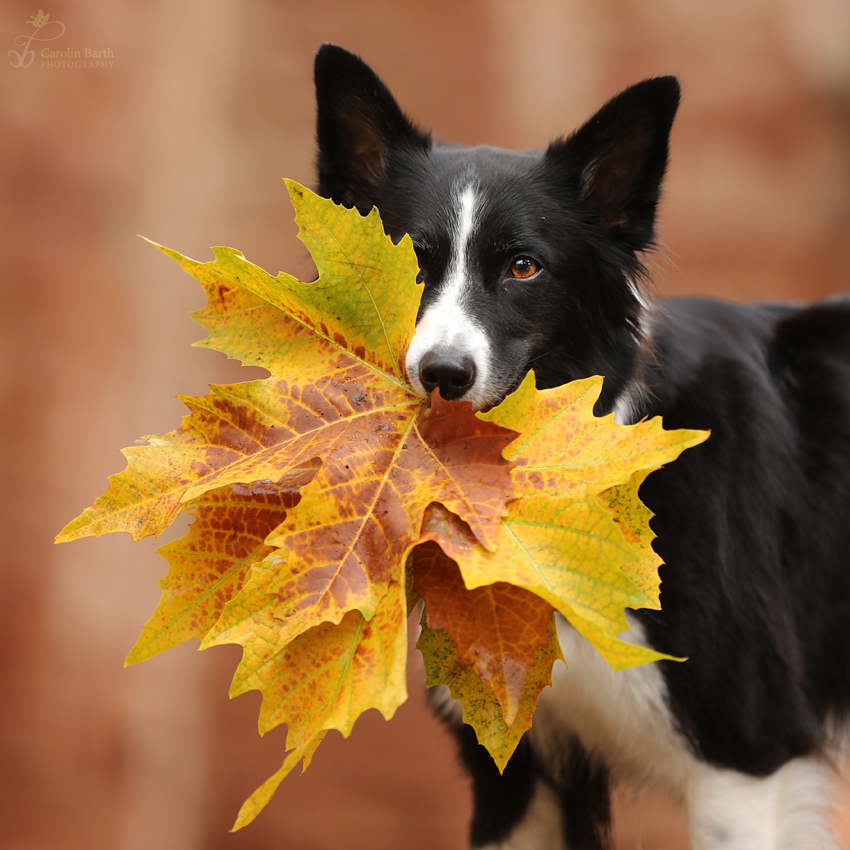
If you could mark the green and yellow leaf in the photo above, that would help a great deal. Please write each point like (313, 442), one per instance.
(497, 630)
(632, 517)
(481, 709)
(329, 498)
(557, 540)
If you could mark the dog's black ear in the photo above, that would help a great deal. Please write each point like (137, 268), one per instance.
(616, 161)
(360, 128)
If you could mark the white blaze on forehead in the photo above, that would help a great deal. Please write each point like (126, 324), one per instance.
(465, 220)
(447, 325)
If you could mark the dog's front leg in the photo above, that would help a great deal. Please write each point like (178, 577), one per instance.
(533, 807)
(786, 810)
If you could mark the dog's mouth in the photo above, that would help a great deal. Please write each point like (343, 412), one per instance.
(498, 398)
(483, 398)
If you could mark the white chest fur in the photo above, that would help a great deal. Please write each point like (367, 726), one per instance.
(621, 717)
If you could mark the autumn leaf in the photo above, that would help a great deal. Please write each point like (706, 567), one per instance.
(557, 540)
(323, 679)
(460, 446)
(328, 499)
(260, 798)
(208, 566)
(497, 630)
(327, 676)
(336, 396)
(632, 518)
(578, 539)
(481, 708)
(335, 428)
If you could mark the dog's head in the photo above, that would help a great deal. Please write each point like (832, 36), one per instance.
(530, 259)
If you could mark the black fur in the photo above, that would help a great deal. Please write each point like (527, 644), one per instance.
(500, 800)
(585, 797)
(753, 525)
(362, 134)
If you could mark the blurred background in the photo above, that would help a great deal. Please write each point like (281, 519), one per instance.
(184, 139)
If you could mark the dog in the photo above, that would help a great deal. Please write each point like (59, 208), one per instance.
(536, 260)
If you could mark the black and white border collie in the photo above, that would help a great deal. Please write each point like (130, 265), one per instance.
(532, 260)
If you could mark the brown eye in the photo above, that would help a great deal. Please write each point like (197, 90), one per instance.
(524, 267)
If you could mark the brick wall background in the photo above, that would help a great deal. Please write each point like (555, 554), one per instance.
(185, 139)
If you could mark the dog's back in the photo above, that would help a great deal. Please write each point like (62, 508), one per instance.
(533, 260)
(754, 526)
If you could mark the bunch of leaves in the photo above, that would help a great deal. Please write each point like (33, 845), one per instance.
(329, 498)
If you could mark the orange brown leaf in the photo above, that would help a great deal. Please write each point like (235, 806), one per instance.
(355, 526)
(497, 630)
(481, 708)
(209, 564)
(311, 488)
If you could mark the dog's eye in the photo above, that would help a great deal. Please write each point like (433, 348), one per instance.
(524, 267)
(420, 278)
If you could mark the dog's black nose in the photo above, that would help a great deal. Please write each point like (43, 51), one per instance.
(453, 374)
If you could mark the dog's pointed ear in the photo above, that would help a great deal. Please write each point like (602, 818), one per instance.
(360, 128)
(616, 161)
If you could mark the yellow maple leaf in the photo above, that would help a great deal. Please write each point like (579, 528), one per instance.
(557, 540)
(310, 488)
(632, 517)
(482, 709)
(334, 427)
(323, 679)
(260, 798)
(209, 565)
(327, 676)
(337, 398)
(578, 538)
